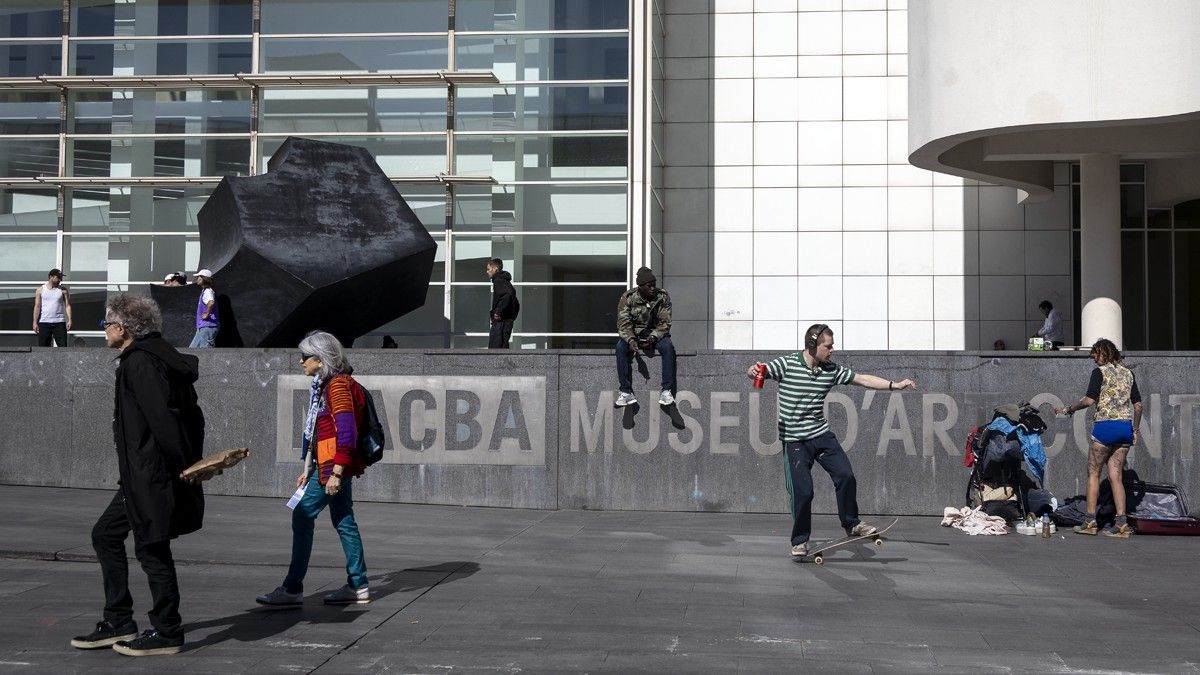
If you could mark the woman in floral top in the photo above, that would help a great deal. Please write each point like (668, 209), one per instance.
(1113, 390)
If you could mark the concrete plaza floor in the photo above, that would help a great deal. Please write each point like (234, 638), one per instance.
(505, 591)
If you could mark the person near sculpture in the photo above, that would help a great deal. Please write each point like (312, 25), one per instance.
(52, 311)
(505, 305)
(805, 378)
(207, 321)
(158, 429)
(644, 327)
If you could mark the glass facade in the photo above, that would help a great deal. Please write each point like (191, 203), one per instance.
(118, 118)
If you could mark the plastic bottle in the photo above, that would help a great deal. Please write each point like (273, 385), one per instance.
(1045, 526)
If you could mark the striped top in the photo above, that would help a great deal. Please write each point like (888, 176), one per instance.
(802, 395)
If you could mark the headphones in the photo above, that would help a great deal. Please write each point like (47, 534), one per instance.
(814, 337)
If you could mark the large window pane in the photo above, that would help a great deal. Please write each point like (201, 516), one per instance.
(542, 108)
(147, 111)
(429, 203)
(541, 207)
(1133, 289)
(152, 157)
(28, 112)
(28, 209)
(20, 158)
(541, 15)
(307, 111)
(134, 209)
(128, 258)
(396, 155)
(1158, 281)
(424, 327)
(368, 54)
(510, 158)
(160, 17)
(536, 258)
(520, 57)
(27, 59)
(26, 258)
(354, 16)
(160, 57)
(1133, 206)
(1187, 289)
(544, 309)
(30, 18)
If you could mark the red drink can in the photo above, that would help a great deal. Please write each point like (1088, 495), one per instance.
(760, 376)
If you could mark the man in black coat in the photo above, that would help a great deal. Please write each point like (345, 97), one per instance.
(159, 431)
(504, 305)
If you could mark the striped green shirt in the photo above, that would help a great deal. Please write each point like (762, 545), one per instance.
(802, 395)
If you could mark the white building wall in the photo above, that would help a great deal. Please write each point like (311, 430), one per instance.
(789, 199)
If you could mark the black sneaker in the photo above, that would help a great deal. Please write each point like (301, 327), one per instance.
(104, 635)
(150, 643)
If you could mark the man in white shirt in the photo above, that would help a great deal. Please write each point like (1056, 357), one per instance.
(1051, 329)
(52, 311)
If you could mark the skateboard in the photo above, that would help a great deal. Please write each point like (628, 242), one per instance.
(816, 553)
(214, 464)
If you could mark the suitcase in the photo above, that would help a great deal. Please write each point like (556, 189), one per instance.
(1159, 508)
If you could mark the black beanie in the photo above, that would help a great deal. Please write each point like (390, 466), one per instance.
(644, 275)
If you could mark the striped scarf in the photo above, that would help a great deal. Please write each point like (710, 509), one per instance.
(315, 403)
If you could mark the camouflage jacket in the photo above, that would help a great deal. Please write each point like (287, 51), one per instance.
(638, 318)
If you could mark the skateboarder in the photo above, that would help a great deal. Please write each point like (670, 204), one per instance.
(804, 380)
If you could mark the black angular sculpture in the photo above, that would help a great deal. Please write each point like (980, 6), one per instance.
(323, 240)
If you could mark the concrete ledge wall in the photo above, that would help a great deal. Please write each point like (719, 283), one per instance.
(538, 430)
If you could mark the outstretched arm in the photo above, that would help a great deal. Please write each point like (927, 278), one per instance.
(1085, 402)
(872, 382)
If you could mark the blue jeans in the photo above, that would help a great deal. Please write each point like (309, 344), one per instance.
(664, 347)
(341, 511)
(205, 337)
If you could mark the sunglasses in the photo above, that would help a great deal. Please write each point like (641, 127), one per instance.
(105, 324)
(304, 357)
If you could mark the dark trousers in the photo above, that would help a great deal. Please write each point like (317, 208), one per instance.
(664, 347)
(499, 334)
(56, 331)
(800, 456)
(108, 538)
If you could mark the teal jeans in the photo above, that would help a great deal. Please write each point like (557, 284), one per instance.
(341, 511)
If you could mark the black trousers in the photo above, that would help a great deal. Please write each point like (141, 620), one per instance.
(499, 334)
(57, 331)
(108, 538)
(826, 451)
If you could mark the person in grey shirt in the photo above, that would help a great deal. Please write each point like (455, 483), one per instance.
(1051, 329)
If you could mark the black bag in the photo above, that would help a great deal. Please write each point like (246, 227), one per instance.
(371, 441)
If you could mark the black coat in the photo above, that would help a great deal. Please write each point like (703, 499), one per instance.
(504, 297)
(159, 431)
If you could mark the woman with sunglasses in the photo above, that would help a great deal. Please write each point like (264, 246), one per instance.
(1114, 392)
(331, 461)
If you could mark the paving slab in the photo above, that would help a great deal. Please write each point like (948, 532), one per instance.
(481, 590)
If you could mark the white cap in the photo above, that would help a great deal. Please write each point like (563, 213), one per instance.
(169, 277)
(203, 273)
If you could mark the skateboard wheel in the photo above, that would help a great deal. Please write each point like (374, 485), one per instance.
(878, 541)
(820, 560)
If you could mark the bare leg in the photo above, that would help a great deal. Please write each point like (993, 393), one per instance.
(1097, 455)
(1116, 465)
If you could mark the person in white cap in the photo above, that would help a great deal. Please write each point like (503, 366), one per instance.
(175, 279)
(207, 321)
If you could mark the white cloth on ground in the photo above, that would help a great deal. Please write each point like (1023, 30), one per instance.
(973, 521)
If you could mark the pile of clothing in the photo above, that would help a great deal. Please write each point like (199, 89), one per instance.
(1008, 463)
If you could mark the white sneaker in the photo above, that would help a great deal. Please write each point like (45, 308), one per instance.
(666, 397)
(861, 530)
(349, 596)
(626, 398)
(800, 550)
(280, 598)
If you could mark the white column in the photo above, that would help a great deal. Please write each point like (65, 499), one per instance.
(1100, 248)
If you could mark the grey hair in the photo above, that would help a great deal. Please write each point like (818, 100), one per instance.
(328, 351)
(139, 314)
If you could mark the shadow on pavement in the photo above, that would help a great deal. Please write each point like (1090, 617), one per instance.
(261, 623)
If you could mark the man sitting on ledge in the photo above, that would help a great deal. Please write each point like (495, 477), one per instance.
(644, 326)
